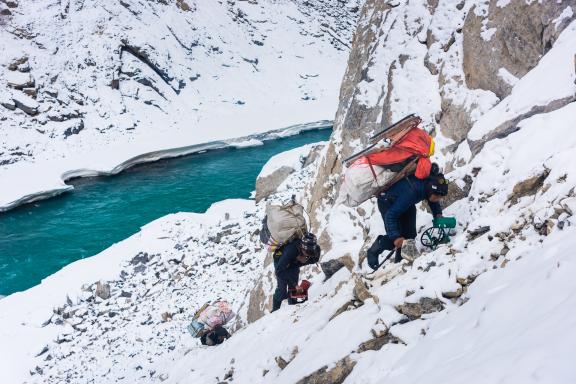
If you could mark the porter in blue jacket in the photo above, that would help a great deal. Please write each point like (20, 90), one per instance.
(398, 209)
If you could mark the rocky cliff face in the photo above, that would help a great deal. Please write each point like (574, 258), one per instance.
(448, 62)
(503, 42)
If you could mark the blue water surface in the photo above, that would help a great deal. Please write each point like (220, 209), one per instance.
(38, 239)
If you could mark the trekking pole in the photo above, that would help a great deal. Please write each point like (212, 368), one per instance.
(383, 261)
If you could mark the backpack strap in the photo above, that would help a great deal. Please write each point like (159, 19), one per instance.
(277, 252)
(202, 308)
(372, 170)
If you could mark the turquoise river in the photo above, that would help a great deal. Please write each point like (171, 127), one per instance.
(38, 239)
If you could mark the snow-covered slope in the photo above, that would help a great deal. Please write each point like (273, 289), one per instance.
(121, 315)
(494, 305)
(87, 85)
(64, 330)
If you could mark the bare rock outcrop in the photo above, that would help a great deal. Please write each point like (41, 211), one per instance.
(424, 306)
(265, 186)
(330, 267)
(528, 187)
(506, 42)
(335, 375)
(102, 290)
(352, 117)
(378, 342)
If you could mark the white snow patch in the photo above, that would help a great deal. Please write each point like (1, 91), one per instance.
(507, 76)
(293, 158)
(567, 13)
(488, 33)
(248, 143)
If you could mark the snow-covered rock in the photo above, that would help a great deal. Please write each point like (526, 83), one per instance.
(279, 167)
(25, 102)
(19, 80)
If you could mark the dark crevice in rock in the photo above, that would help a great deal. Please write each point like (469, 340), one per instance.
(143, 56)
(188, 49)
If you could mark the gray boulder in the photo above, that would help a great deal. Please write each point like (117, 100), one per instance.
(335, 375)
(25, 103)
(265, 186)
(102, 290)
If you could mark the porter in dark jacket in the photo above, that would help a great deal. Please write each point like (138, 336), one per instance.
(287, 262)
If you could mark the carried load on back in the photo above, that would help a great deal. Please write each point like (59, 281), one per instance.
(398, 151)
(208, 322)
(282, 224)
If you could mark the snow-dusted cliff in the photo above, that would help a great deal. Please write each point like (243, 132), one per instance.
(495, 305)
(87, 85)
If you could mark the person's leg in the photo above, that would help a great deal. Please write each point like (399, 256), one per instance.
(380, 244)
(384, 204)
(408, 223)
(292, 282)
(280, 294)
(408, 229)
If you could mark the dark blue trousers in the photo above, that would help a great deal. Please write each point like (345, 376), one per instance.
(406, 225)
(285, 280)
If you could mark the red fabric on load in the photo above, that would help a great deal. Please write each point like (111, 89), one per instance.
(423, 168)
(416, 142)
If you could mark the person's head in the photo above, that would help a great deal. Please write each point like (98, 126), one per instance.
(308, 245)
(436, 188)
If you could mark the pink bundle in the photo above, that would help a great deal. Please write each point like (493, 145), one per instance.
(216, 314)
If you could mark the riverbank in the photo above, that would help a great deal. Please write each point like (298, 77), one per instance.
(29, 183)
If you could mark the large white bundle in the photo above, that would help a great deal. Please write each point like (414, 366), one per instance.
(285, 222)
(361, 183)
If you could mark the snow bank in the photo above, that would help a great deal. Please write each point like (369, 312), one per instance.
(27, 184)
(292, 159)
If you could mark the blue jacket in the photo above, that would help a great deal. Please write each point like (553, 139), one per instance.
(402, 195)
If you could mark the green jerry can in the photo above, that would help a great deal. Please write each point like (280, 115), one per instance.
(440, 232)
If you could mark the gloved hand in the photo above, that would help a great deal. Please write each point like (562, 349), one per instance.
(398, 242)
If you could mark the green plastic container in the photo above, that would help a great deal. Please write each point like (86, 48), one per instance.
(444, 222)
